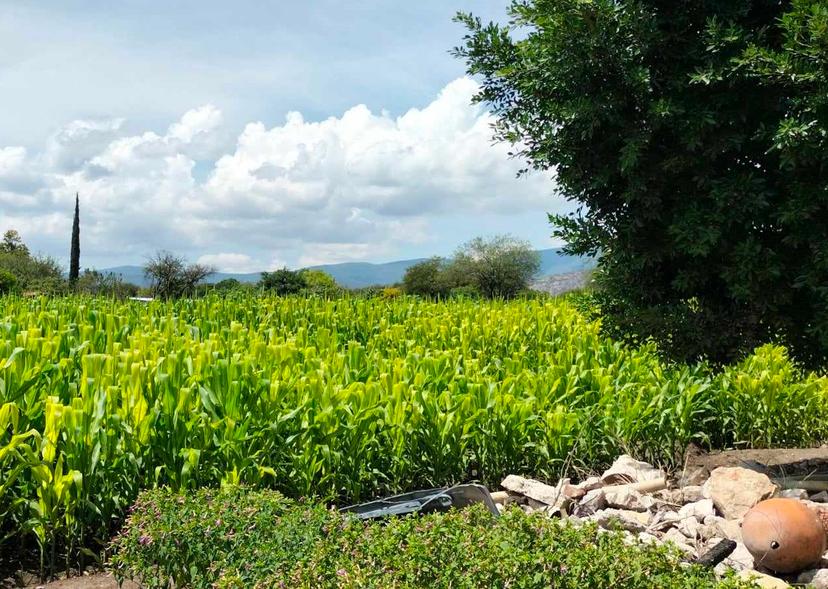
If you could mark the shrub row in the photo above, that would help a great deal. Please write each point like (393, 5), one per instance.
(237, 537)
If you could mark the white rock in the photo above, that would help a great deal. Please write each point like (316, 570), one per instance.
(793, 494)
(533, 489)
(734, 490)
(762, 580)
(627, 469)
(689, 526)
(699, 509)
(691, 494)
(817, 578)
(626, 498)
(646, 538)
(630, 521)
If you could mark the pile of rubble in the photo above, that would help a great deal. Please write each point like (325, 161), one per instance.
(636, 498)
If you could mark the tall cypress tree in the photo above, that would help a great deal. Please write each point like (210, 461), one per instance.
(74, 255)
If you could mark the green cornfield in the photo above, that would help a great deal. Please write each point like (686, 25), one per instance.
(343, 400)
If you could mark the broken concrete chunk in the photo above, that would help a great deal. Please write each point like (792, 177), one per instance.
(627, 469)
(533, 489)
(689, 526)
(735, 490)
(626, 498)
(621, 519)
(699, 509)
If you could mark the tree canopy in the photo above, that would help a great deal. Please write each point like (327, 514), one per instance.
(692, 138)
(171, 276)
(497, 267)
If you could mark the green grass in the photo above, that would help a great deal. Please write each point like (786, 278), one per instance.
(343, 400)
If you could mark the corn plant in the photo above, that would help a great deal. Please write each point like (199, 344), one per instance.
(344, 400)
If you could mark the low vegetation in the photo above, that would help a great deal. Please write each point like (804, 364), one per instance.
(343, 399)
(237, 538)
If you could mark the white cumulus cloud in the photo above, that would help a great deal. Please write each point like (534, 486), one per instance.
(362, 185)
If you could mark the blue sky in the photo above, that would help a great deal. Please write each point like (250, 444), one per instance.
(252, 134)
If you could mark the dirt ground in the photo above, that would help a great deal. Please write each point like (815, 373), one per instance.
(93, 581)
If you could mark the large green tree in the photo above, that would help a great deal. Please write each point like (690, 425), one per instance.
(692, 137)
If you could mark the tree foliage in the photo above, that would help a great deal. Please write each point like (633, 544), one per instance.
(8, 282)
(320, 283)
(429, 278)
(172, 277)
(499, 267)
(692, 137)
(13, 244)
(31, 273)
(284, 281)
(98, 283)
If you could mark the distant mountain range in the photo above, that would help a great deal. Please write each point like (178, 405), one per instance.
(361, 274)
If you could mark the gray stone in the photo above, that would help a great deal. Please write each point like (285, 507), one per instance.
(735, 490)
(592, 502)
(680, 540)
(821, 497)
(670, 496)
(817, 578)
(691, 494)
(726, 528)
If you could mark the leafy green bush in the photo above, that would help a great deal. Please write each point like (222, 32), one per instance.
(8, 282)
(236, 537)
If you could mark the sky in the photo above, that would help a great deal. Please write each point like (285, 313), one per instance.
(252, 134)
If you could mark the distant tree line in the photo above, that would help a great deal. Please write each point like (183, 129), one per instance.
(500, 267)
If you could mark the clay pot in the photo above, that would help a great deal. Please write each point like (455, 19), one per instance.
(783, 535)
